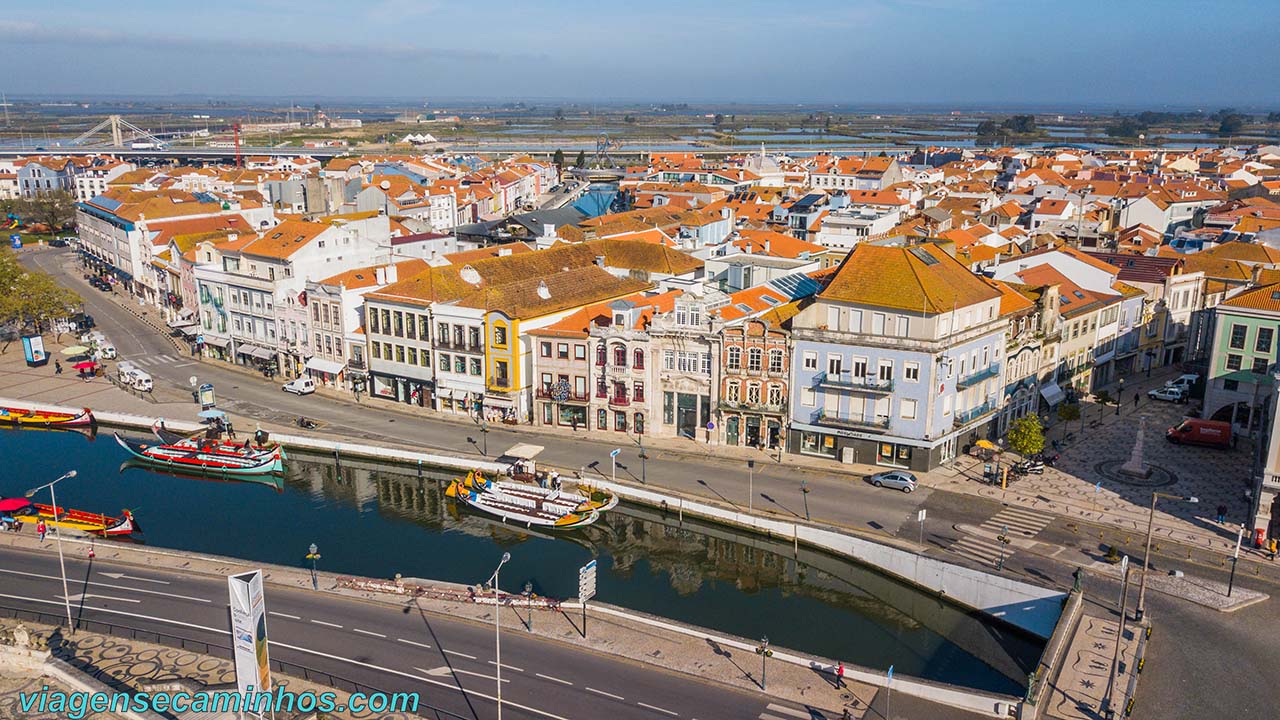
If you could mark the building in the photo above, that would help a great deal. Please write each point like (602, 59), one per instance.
(899, 361)
(1239, 380)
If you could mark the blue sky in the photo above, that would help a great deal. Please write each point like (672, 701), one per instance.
(1135, 53)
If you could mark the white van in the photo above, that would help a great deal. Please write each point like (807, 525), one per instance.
(300, 386)
(124, 371)
(107, 351)
(142, 381)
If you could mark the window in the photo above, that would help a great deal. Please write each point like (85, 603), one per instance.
(907, 409)
(444, 362)
(399, 353)
(877, 323)
(1233, 362)
(1260, 366)
(1238, 333)
(442, 333)
(473, 336)
(411, 355)
(733, 359)
(500, 370)
(410, 327)
(602, 388)
(668, 408)
(546, 381)
(386, 322)
(732, 392)
(835, 364)
(424, 358)
(753, 393)
(424, 328)
(562, 351)
(886, 370)
(602, 419)
(911, 371)
(775, 395)
(544, 349)
(600, 355)
(579, 352)
(810, 360)
(500, 335)
(377, 350)
(475, 367)
(668, 360)
(638, 392)
(620, 356)
(373, 321)
(775, 361)
(1263, 344)
(620, 421)
(808, 397)
(755, 359)
(459, 364)
(859, 368)
(639, 359)
(903, 325)
(317, 336)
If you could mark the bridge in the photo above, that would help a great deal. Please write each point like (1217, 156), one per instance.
(172, 152)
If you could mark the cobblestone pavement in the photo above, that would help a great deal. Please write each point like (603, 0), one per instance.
(1077, 692)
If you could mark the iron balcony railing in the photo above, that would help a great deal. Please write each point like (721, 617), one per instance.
(967, 416)
(990, 371)
(847, 381)
(877, 424)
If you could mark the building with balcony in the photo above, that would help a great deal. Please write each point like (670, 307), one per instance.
(754, 380)
(685, 346)
(898, 362)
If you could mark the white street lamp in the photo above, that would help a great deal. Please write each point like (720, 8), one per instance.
(497, 626)
(62, 562)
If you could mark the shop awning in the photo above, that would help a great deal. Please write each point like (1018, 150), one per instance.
(254, 351)
(1052, 394)
(223, 343)
(325, 366)
(180, 324)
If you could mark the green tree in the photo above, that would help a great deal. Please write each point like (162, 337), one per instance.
(30, 298)
(718, 120)
(1069, 412)
(988, 128)
(558, 159)
(581, 160)
(1026, 435)
(1020, 124)
(1230, 123)
(54, 209)
(559, 114)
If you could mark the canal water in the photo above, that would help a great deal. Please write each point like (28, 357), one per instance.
(378, 520)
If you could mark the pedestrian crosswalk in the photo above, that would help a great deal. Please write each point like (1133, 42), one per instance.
(781, 712)
(154, 360)
(1019, 522)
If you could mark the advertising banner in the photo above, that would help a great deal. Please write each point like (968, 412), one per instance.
(249, 632)
(206, 397)
(33, 349)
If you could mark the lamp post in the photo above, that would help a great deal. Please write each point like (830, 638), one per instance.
(643, 456)
(804, 492)
(1003, 539)
(528, 595)
(497, 626)
(1115, 658)
(751, 485)
(1119, 394)
(62, 562)
(764, 652)
(1146, 554)
(313, 554)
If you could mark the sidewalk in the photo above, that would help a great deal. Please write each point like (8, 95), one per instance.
(1078, 691)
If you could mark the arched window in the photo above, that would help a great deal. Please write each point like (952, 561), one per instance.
(620, 355)
(775, 361)
(733, 361)
(639, 359)
(639, 423)
(600, 355)
(755, 359)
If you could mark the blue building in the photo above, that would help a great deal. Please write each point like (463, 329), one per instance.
(899, 360)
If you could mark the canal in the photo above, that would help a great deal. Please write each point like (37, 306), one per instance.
(378, 520)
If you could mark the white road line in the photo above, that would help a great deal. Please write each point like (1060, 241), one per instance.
(327, 624)
(455, 652)
(283, 615)
(788, 711)
(367, 632)
(415, 644)
(509, 667)
(606, 694)
(553, 679)
(223, 631)
(767, 716)
(107, 585)
(661, 710)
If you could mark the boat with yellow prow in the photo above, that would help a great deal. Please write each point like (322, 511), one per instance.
(527, 505)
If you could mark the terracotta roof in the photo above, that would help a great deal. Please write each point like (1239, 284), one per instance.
(1011, 299)
(364, 277)
(918, 278)
(780, 245)
(644, 256)
(465, 256)
(1245, 252)
(1141, 268)
(577, 323)
(1263, 298)
(285, 239)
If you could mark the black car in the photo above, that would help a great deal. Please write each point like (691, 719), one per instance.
(59, 242)
(83, 321)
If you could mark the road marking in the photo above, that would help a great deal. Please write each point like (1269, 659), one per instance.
(661, 710)
(122, 576)
(283, 615)
(788, 711)
(367, 632)
(223, 631)
(107, 585)
(329, 624)
(444, 670)
(455, 652)
(416, 644)
(509, 667)
(553, 679)
(184, 365)
(80, 597)
(606, 694)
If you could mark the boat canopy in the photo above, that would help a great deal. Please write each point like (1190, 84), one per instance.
(521, 451)
(9, 505)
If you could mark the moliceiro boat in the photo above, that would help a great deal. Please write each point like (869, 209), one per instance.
(524, 504)
(46, 418)
(248, 448)
(24, 511)
(205, 458)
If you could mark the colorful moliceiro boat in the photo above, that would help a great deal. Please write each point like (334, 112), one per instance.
(25, 511)
(221, 447)
(205, 459)
(46, 418)
(525, 504)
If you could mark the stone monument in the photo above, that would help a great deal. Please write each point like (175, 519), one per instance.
(1135, 467)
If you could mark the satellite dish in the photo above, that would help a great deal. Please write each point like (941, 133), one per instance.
(469, 275)
(543, 292)
(193, 380)
(385, 184)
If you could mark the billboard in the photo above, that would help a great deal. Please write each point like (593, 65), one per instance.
(206, 396)
(249, 632)
(33, 349)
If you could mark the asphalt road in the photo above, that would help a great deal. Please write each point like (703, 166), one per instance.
(449, 662)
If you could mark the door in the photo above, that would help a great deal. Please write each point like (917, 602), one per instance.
(775, 433)
(687, 415)
(949, 449)
(753, 431)
(731, 430)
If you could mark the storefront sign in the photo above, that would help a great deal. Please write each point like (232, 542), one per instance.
(249, 632)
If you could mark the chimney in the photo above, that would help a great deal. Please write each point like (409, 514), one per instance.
(393, 274)
(380, 276)
(504, 251)
(548, 230)
(232, 237)
(600, 260)
(768, 246)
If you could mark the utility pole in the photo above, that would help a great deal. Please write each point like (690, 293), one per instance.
(764, 652)
(751, 484)
(1115, 658)
(1235, 559)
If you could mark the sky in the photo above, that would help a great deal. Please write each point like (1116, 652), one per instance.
(1130, 53)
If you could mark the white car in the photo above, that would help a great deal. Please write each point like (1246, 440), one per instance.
(1169, 393)
(1185, 382)
(300, 386)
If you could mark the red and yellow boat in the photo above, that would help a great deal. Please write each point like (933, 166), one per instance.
(46, 418)
(27, 512)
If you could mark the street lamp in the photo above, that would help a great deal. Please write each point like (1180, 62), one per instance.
(764, 652)
(804, 492)
(497, 626)
(1119, 394)
(528, 595)
(62, 562)
(751, 485)
(1146, 555)
(313, 554)
(484, 434)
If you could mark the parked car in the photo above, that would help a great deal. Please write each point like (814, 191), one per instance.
(58, 242)
(1169, 393)
(1185, 381)
(300, 386)
(83, 321)
(107, 351)
(896, 479)
(1201, 432)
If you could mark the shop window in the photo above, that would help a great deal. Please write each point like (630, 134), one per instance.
(602, 419)
(620, 421)
(639, 423)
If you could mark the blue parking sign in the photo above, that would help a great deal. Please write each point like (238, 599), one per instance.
(15, 242)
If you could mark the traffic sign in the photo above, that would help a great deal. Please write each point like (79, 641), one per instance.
(587, 581)
(920, 515)
(613, 454)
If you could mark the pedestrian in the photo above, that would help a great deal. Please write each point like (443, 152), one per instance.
(1136, 395)
(1273, 547)
(1222, 514)
(57, 367)
(41, 529)
(231, 430)
(840, 676)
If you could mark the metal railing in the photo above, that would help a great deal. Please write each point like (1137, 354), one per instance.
(823, 418)
(990, 371)
(968, 416)
(847, 381)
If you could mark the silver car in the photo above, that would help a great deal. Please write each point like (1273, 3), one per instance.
(897, 479)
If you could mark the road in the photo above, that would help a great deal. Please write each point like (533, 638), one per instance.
(448, 661)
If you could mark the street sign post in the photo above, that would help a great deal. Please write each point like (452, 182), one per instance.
(920, 516)
(586, 589)
(613, 461)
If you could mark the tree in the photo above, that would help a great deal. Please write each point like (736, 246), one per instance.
(1020, 124)
(559, 114)
(718, 120)
(558, 159)
(988, 128)
(1230, 123)
(30, 298)
(1026, 435)
(1068, 412)
(54, 209)
(581, 160)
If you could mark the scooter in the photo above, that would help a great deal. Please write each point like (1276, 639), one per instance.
(306, 424)
(1050, 459)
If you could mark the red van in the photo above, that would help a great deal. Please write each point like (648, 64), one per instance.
(1201, 432)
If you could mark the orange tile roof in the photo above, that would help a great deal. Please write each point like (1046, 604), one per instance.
(283, 240)
(1265, 298)
(921, 278)
(364, 277)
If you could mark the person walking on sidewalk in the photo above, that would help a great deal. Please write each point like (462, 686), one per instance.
(57, 368)
(41, 529)
(839, 676)
(1272, 548)
(1222, 514)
